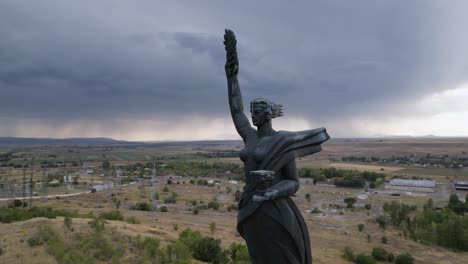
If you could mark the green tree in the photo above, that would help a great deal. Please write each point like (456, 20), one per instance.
(379, 253)
(67, 221)
(213, 227)
(456, 205)
(364, 259)
(360, 227)
(404, 259)
(106, 165)
(209, 249)
(350, 201)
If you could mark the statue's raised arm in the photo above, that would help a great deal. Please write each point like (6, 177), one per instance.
(241, 121)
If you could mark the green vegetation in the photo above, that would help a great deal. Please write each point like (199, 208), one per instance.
(141, 206)
(67, 221)
(404, 259)
(132, 220)
(8, 215)
(112, 215)
(444, 228)
(378, 254)
(350, 201)
(343, 178)
(360, 227)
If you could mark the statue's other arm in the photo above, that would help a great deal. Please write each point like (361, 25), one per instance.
(286, 187)
(241, 121)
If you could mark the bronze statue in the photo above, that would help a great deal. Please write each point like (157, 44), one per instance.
(268, 219)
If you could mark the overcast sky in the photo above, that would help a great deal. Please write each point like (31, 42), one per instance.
(154, 70)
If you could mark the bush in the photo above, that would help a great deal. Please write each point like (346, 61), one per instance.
(195, 210)
(170, 199)
(404, 259)
(360, 227)
(97, 224)
(239, 253)
(390, 257)
(368, 206)
(214, 205)
(232, 207)
(379, 253)
(315, 211)
(132, 220)
(382, 221)
(348, 254)
(112, 215)
(148, 245)
(141, 206)
(165, 189)
(209, 249)
(67, 221)
(350, 201)
(163, 209)
(34, 241)
(364, 259)
(384, 240)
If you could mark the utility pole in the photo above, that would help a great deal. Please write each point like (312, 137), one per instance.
(153, 185)
(44, 183)
(31, 183)
(24, 182)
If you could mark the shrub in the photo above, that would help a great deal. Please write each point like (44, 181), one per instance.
(170, 199)
(384, 240)
(360, 227)
(163, 209)
(97, 224)
(175, 226)
(209, 249)
(364, 259)
(34, 241)
(239, 253)
(165, 189)
(112, 215)
(214, 205)
(350, 201)
(348, 254)
(132, 220)
(195, 210)
(368, 206)
(212, 227)
(141, 206)
(232, 207)
(315, 211)
(404, 259)
(382, 221)
(148, 245)
(67, 221)
(379, 253)
(390, 257)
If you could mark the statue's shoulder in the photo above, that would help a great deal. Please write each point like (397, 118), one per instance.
(303, 133)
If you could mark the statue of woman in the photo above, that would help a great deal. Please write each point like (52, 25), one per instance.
(268, 220)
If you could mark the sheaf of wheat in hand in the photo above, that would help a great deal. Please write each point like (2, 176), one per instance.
(232, 63)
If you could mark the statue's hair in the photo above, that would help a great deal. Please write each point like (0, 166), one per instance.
(273, 109)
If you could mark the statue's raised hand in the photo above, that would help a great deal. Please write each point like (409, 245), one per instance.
(232, 63)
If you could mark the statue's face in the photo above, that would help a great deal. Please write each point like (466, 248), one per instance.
(259, 116)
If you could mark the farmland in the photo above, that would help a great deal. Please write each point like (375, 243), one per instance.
(332, 227)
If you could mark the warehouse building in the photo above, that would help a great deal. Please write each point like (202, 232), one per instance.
(411, 185)
(460, 185)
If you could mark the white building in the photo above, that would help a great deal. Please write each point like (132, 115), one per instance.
(411, 185)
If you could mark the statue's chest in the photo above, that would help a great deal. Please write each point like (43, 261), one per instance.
(257, 150)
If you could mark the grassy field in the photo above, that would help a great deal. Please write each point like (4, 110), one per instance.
(330, 231)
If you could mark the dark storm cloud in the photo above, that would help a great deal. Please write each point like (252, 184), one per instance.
(324, 60)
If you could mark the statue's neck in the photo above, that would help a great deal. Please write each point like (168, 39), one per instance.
(265, 130)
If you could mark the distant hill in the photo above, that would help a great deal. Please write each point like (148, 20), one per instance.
(59, 141)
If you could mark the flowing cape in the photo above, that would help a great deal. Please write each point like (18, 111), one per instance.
(284, 148)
